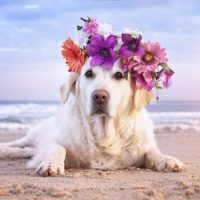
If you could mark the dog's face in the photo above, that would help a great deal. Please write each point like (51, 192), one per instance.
(103, 92)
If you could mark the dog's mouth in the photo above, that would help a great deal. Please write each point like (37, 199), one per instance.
(99, 110)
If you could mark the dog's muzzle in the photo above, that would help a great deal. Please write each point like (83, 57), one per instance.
(100, 100)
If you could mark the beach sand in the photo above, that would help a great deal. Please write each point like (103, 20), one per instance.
(16, 182)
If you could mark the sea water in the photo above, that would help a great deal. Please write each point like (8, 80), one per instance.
(168, 116)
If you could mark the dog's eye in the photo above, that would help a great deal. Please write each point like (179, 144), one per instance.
(89, 73)
(118, 75)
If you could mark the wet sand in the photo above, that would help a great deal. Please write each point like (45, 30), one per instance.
(16, 182)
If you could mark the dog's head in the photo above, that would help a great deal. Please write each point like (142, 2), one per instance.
(105, 92)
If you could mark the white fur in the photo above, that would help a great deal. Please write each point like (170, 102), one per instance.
(75, 137)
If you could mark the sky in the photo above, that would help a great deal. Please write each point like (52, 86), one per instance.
(32, 33)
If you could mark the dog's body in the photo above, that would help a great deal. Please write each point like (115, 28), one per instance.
(101, 124)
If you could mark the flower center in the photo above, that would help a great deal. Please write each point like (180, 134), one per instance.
(90, 23)
(148, 57)
(104, 52)
(125, 62)
(132, 45)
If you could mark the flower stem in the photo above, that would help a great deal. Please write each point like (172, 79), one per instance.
(157, 96)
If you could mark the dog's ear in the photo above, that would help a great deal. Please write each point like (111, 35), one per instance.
(142, 98)
(69, 86)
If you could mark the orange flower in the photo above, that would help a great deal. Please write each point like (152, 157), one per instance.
(75, 57)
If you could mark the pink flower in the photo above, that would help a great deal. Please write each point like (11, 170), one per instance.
(165, 77)
(126, 64)
(90, 26)
(144, 80)
(152, 57)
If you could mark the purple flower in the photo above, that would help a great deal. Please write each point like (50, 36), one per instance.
(165, 77)
(144, 80)
(131, 46)
(101, 50)
(90, 26)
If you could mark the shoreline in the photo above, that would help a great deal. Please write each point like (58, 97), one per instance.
(17, 182)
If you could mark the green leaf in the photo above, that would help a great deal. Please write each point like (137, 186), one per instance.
(126, 75)
(159, 87)
(79, 28)
(153, 75)
(164, 64)
(89, 19)
(130, 58)
(161, 71)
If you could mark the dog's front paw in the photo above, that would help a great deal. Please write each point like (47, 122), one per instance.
(50, 168)
(165, 163)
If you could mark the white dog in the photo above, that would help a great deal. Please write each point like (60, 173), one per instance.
(101, 124)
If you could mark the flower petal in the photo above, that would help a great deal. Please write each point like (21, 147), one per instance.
(127, 54)
(140, 51)
(139, 39)
(113, 55)
(111, 41)
(108, 63)
(126, 38)
(75, 57)
(150, 85)
(126, 66)
(140, 82)
(148, 77)
(122, 49)
(92, 50)
(97, 40)
(96, 60)
(165, 77)
(167, 83)
(170, 72)
(86, 28)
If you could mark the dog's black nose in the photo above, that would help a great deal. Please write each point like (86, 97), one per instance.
(100, 96)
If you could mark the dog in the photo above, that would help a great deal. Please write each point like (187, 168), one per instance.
(101, 124)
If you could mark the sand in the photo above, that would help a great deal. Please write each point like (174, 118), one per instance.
(16, 182)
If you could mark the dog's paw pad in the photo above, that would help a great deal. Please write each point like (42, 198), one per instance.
(169, 164)
(50, 169)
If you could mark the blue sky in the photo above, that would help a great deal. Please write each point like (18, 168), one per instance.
(32, 32)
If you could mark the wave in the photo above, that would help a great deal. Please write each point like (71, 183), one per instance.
(20, 117)
(19, 120)
(191, 126)
(29, 109)
(175, 114)
(174, 117)
(14, 125)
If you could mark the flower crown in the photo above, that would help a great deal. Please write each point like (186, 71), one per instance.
(145, 61)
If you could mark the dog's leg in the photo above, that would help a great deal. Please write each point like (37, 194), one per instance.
(15, 152)
(22, 142)
(54, 163)
(155, 160)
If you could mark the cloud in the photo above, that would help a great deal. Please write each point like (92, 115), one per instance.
(32, 32)
(32, 6)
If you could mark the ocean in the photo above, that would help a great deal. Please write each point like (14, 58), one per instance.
(168, 116)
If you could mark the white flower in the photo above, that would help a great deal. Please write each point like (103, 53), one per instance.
(105, 29)
(134, 32)
(82, 38)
